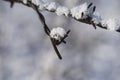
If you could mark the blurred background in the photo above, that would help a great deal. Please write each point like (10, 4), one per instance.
(26, 52)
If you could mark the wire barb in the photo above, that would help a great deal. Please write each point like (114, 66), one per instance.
(90, 5)
(94, 8)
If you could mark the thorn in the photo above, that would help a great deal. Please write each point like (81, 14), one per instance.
(68, 31)
(82, 14)
(64, 41)
(94, 25)
(11, 3)
(94, 9)
(90, 5)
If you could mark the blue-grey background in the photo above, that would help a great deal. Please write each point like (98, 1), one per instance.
(26, 52)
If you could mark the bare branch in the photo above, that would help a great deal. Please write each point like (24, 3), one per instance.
(55, 48)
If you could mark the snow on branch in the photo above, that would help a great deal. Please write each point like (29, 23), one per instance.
(84, 13)
(112, 24)
(56, 35)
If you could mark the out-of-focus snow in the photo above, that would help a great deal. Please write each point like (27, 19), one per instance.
(57, 33)
(103, 22)
(62, 11)
(36, 2)
(25, 1)
(96, 18)
(76, 12)
(113, 24)
(50, 6)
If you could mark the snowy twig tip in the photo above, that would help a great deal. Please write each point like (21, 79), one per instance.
(59, 34)
(113, 24)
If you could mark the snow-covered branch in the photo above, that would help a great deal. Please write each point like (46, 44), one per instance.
(56, 35)
(84, 13)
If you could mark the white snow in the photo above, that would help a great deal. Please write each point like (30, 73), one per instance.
(50, 6)
(25, 1)
(96, 18)
(36, 2)
(76, 12)
(103, 23)
(57, 33)
(113, 24)
(41, 5)
(62, 11)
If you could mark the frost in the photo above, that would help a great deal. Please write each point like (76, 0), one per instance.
(103, 23)
(113, 24)
(36, 2)
(46, 4)
(57, 33)
(25, 1)
(50, 6)
(96, 18)
(62, 11)
(76, 12)
(41, 6)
